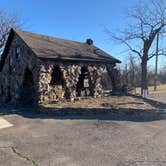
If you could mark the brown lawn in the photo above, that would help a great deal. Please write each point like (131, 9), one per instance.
(112, 102)
(161, 89)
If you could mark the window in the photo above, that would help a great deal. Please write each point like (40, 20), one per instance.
(17, 52)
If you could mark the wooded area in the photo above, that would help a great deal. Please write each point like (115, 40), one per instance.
(147, 20)
(131, 74)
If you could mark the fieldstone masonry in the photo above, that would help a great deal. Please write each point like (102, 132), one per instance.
(71, 73)
(13, 73)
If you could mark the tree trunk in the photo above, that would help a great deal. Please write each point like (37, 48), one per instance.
(144, 83)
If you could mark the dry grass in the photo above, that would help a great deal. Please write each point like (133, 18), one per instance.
(113, 102)
(161, 89)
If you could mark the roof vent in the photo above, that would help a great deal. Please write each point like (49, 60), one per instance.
(89, 41)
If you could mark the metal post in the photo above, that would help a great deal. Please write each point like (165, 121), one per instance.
(156, 63)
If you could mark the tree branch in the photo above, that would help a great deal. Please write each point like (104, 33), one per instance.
(128, 45)
(161, 52)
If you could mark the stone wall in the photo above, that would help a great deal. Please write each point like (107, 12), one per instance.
(12, 75)
(70, 72)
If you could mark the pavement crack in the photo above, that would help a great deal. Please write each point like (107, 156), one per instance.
(20, 155)
(24, 157)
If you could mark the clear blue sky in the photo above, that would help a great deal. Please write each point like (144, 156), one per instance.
(74, 19)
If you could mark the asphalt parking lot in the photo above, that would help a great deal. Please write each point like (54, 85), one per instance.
(46, 140)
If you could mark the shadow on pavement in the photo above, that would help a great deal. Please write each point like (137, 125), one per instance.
(124, 114)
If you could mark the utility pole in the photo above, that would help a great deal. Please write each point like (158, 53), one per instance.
(156, 63)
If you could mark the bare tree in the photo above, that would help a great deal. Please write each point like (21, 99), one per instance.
(148, 19)
(7, 21)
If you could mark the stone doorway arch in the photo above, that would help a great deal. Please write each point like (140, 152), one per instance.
(27, 96)
(83, 82)
(56, 86)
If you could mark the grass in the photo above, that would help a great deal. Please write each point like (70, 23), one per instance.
(161, 89)
(105, 105)
(110, 102)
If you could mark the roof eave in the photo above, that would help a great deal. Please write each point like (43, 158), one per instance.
(80, 59)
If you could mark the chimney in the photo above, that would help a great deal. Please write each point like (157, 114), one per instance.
(89, 41)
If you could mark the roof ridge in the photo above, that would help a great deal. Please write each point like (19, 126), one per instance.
(48, 36)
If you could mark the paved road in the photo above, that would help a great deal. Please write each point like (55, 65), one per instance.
(40, 140)
(159, 97)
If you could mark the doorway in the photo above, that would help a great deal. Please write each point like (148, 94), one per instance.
(82, 87)
(27, 96)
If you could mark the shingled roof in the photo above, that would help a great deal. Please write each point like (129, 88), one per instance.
(55, 48)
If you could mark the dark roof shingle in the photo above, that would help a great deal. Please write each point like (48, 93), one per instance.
(56, 48)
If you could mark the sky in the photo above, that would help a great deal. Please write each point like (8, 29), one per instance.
(77, 20)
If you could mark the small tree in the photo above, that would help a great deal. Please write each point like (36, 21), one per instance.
(7, 21)
(147, 21)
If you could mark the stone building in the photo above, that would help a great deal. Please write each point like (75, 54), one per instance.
(37, 69)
